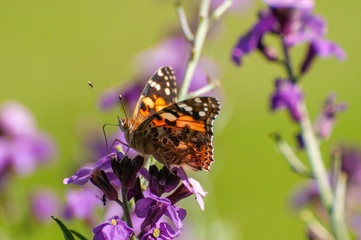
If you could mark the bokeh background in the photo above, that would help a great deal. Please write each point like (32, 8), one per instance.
(49, 50)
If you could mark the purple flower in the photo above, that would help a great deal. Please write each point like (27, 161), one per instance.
(162, 181)
(112, 229)
(193, 186)
(126, 169)
(292, 20)
(161, 231)
(324, 49)
(351, 164)
(287, 95)
(44, 204)
(326, 120)
(81, 203)
(100, 179)
(22, 145)
(152, 208)
(83, 175)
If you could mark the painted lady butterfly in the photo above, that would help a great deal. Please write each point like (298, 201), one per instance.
(175, 133)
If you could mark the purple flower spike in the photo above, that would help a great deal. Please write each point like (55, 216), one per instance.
(193, 186)
(112, 229)
(287, 95)
(162, 231)
(326, 120)
(83, 175)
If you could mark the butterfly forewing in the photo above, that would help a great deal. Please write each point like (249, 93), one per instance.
(159, 92)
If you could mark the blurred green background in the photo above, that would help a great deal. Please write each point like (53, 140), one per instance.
(49, 50)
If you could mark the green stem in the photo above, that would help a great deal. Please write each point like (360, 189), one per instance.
(197, 48)
(287, 152)
(126, 210)
(315, 226)
(287, 61)
(209, 87)
(315, 159)
(183, 21)
(338, 209)
(221, 10)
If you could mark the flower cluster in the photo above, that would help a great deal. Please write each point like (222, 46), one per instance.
(153, 191)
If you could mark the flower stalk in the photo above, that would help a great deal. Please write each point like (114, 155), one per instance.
(183, 21)
(126, 210)
(197, 48)
(338, 209)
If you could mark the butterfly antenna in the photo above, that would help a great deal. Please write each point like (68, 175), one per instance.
(96, 90)
(121, 102)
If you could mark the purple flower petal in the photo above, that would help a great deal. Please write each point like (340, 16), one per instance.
(44, 204)
(193, 186)
(301, 4)
(113, 228)
(83, 175)
(81, 203)
(250, 42)
(287, 95)
(162, 231)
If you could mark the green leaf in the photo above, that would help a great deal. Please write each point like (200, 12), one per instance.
(78, 235)
(66, 232)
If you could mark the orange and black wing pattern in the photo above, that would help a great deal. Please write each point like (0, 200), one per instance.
(159, 92)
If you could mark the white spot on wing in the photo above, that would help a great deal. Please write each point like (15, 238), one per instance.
(167, 91)
(160, 73)
(197, 100)
(188, 108)
(157, 86)
(202, 114)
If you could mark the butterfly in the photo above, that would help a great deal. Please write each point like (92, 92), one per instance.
(175, 133)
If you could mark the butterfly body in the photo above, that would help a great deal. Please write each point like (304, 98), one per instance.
(175, 133)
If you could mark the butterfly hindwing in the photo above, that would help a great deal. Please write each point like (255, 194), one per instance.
(182, 133)
(159, 92)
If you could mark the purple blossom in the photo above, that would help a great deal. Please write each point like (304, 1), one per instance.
(22, 145)
(126, 169)
(161, 231)
(44, 204)
(83, 175)
(193, 186)
(162, 181)
(292, 20)
(324, 49)
(81, 203)
(152, 208)
(113, 228)
(287, 95)
(100, 179)
(326, 120)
